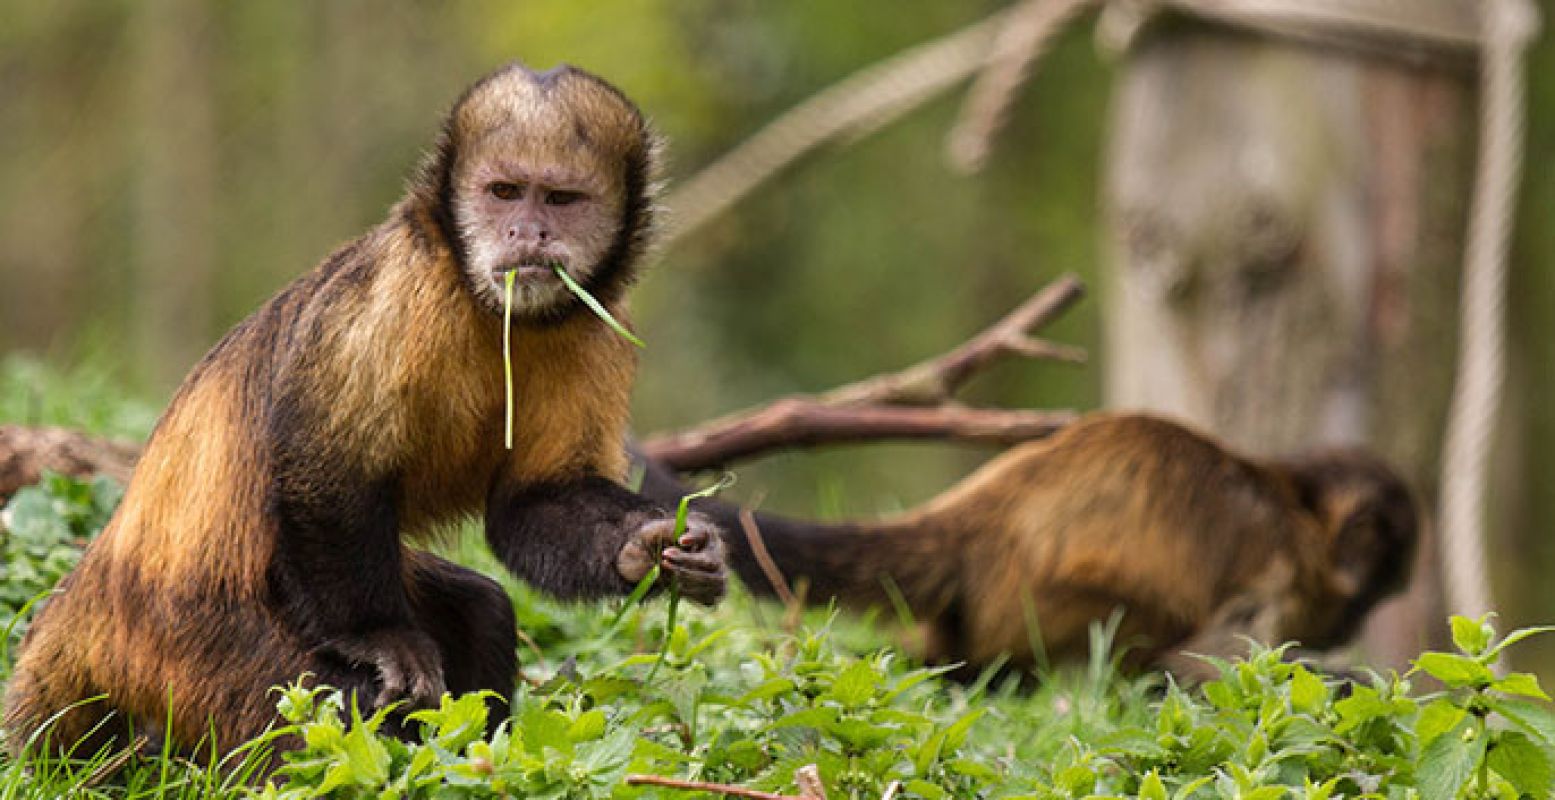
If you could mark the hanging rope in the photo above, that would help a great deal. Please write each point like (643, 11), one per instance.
(1507, 27)
(859, 104)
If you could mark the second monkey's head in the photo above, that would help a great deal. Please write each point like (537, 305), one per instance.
(538, 170)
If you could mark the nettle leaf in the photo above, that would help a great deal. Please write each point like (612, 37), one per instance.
(1455, 670)
(1532, 718)
(1472, 636)
(1450, 761)
(1308, 694)
(1523, 763)
(855, 686)
(1437, 718)
(1520, 683)
(1516, 636)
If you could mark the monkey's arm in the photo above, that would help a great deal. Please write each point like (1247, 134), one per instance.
(590, 537)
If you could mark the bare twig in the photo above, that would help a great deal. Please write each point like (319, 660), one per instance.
(807, 777)
(914, 403)
(764, 558)
(935, 380)
(804, 422)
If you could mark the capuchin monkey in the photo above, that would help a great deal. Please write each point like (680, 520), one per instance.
(265, 532)
(1197, 546)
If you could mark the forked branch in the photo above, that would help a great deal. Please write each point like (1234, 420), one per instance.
(914, 403)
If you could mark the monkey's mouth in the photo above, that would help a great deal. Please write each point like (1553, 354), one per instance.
(528, 272)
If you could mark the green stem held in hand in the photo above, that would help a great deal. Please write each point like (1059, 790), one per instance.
(681, 514)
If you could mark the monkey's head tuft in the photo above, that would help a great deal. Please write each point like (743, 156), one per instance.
(538, 171)
(1369, 519)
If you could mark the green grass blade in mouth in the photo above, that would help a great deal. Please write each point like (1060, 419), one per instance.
(594, 306)
(507, 355)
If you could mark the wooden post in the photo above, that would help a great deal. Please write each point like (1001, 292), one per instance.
(1286, 228)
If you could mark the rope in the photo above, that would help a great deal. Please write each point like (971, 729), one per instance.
(1032, 25)
(1507, 27)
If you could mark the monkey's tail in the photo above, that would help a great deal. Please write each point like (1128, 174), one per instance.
(873, 563)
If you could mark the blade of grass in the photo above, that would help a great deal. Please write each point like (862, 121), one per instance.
(594, 306)
(507, 355)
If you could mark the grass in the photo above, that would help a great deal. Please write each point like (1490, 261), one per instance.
(734, 696)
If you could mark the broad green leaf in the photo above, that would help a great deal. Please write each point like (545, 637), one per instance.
(1308, 695)
(1437, 718)
(1450, 761)
(1532, 718)
(856, 685)
(1455, 670)
(1523, 763)
(1520, 683)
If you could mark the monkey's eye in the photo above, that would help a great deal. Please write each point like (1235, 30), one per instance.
(561, 197)
(506, 191)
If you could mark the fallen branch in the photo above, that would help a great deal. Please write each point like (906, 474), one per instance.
(25, 453)
(914, 403)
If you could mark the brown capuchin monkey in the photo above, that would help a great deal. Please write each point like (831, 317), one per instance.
(265, 531)
(1196, 545)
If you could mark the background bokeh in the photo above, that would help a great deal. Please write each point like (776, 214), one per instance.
(167, 165)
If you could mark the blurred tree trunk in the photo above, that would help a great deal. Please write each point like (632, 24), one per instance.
(175, 185)
(1286, 226)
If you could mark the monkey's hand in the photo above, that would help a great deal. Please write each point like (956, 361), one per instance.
(695, 562)
(409, 666)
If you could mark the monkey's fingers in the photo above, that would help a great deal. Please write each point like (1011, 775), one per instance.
(701, 575)
(409, 670)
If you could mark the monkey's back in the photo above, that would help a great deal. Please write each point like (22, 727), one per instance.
(1115, 511)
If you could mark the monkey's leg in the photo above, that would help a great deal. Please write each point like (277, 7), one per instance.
(471, 619)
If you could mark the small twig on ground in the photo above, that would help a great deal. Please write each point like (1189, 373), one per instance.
(807, 777)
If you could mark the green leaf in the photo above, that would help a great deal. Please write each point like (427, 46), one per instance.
(1437, 718)
(1471, 636)
(1532, 718)
(1455, 670)
(1151, 787)
(1450, 761)
(1516, 636)
(1308, 695)
(855, 686)
(594, 306)
(1523, 763)
(924, 789)
(1520, 683)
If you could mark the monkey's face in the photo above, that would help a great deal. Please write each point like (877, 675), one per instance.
(531, 220)
(539, 183)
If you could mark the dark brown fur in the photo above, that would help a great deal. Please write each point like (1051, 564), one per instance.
(1195, 544)
(263, 534)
